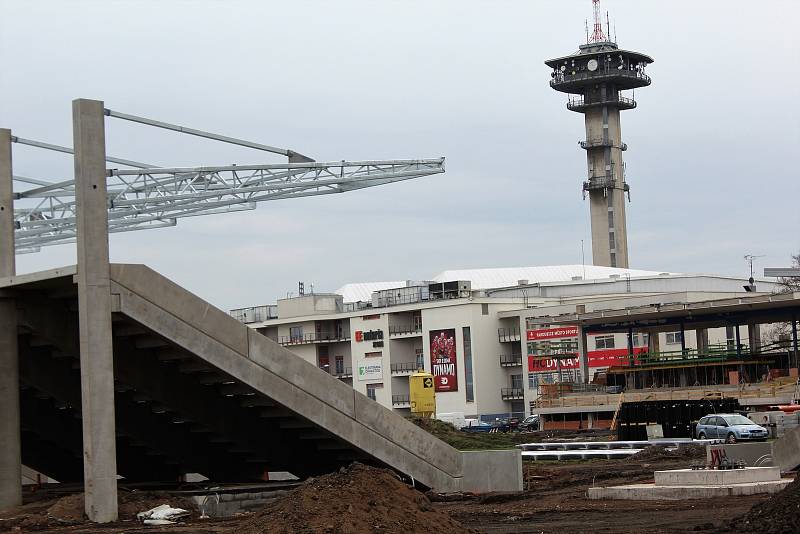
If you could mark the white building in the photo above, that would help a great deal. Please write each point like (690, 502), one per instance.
(374, 335)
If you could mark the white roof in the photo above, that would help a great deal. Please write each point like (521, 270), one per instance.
(362, 291)
(510, 276)
(497, 277)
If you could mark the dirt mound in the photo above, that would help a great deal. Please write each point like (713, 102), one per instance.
(658, 453)
(69, 510)
(356, 499)
(777, 515)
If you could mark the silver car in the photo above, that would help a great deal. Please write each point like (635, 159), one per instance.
(730, 427)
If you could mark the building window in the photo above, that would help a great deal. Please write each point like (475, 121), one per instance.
(533, 380)
(470, 385)
(484, 309)
(296, 333)
(417, 321)
(516, 381)
(373, 354)
(371, 390)
(420, 354)
(604, 342)
(339, 360)
(673, 338)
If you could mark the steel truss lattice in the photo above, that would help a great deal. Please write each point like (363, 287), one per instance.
(150, 197)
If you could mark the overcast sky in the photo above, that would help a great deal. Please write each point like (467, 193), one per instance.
(712, 159)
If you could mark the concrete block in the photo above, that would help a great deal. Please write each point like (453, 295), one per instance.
(711, 477)
(486, 471)
(754, 454)
(786, 450)
(651, 492)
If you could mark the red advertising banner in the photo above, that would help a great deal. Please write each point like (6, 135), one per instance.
(443, 360)
(552, 333)
(597, 358)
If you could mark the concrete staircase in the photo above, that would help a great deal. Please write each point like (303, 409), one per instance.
(197, 391)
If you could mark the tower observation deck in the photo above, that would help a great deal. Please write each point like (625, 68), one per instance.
(593, 79)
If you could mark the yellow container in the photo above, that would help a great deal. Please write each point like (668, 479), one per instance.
(422, 393)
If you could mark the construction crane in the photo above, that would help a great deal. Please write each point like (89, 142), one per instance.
(145, 196)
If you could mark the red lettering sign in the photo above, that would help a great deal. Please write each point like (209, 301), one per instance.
(359, 335)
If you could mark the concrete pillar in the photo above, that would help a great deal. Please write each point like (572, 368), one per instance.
(683, 339)
(94, 312)
(738, 342)
(701, 336)
(653, 344)
(10, 468)
(583, 353)
(754, 337)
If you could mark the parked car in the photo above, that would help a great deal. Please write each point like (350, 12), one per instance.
(480, 426)
(730, 427)
(529, 423)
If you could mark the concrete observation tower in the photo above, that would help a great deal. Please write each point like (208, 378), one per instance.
(593, 78)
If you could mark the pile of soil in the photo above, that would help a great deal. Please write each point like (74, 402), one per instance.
(356, 499)
(777, 515)
(656, 453)
(69, 510)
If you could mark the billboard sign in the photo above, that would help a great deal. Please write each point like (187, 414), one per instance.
(443, 359)
(370, 369)
(552, 333)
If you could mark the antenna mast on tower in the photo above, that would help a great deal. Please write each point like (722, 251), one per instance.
(597, 35)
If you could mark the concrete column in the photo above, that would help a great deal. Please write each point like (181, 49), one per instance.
(94, 312)
(738, 342)
(754, 337)
(10, 468)
(583, 353)
(701, 336)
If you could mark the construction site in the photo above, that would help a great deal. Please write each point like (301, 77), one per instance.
(568, 398)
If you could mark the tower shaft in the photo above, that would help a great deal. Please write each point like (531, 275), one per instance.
(606, 186)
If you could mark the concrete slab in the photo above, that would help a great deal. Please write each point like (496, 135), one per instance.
(711, 477)
(579, 454)
(651, 492)
(786, 450)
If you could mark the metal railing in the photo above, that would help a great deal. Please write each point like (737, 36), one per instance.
(399, 400)
(255, 314)
(398, 330)
(322, 337)
(508, 334)
(593, 143)
(405, 367)
(579, 104)
(604, 182)
(563, 78)
(346, 372)
(510, 360)
(512, 393)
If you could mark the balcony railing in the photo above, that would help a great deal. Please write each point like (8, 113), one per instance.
(323, 337)
(594, 143)
(598, 76)
(404, 368)
(346, 372)
(401, 401)
(508, 334)
(512, 393)
(403, 330)
(581, 104)
(603, 182)
(510, 360)
(255, 314)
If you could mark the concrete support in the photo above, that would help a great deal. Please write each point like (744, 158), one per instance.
(754, 337)
(701, 337)
(583, 352)
(94, 313)
(794, 340)
(683, 339)
(738, 341)
(10, 468)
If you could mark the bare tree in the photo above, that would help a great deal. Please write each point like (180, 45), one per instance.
(782, 332)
